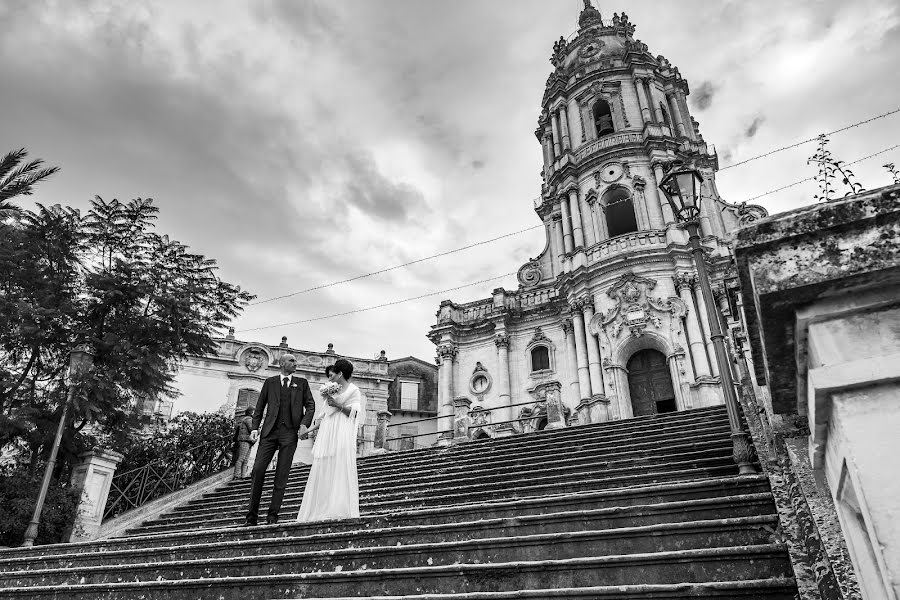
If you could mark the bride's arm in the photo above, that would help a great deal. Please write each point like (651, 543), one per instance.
(351, 406)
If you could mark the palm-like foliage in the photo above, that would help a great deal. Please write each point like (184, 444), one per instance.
(17, 178)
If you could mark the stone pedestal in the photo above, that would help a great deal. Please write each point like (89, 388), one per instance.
(822, 299)
(93, 477)
(550, 393)
(381, 432)
(592, 410)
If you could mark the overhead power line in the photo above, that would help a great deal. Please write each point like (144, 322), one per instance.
(395, 267)
(466, 285)
(807, 141)
(521, 231)
(367, 308)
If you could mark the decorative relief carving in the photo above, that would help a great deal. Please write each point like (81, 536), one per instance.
(255, 359)
(530, 274)
(539, 336)
(501, 340)
(684, 278)
(635, 308)
(447, 351)
(566, 326)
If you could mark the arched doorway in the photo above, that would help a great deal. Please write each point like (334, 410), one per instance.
(650, 383)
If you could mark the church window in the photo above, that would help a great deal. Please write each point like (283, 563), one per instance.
(603, 118)
(540, 359)
(409, 395)
(665, 115)
(620, 216)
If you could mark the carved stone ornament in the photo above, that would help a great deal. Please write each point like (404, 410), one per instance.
(539, 336)
(609, 173)
(502, 340)
(635, 308)
(255, 360)
(530, 274)
(747, 213)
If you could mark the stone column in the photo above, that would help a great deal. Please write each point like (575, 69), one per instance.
(592, 203)
(93, 478)
(381, 432)
(657, 115)
(555, 129)
(577, 228)
(556, 416)
(681, 102)
(704, 323)
(651, 205)
(547, 145)
(566, 224)
(502, 342)
(446, 352)
(461, 419)
(668, 215)
(560, 250)
(623, 393)
(642, 100)
(593, 349)
(571, 360)
(683, 283)
(564, 125)
(676, 115)
(584, 378)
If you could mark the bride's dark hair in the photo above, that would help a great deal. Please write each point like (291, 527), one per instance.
(344, 367)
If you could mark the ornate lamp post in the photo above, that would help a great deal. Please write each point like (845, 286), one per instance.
(682, 187)
(80, 360)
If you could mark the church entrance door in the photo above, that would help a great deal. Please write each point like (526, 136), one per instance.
(650, 383)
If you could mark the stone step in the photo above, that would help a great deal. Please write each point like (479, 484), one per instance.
(364, 533)
(682, 566)
(769, 589)
(576, 461)
(525, 486)
(304, 555)
(594, 447)
(659, 502)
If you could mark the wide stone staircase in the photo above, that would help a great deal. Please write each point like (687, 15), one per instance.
(649, 507)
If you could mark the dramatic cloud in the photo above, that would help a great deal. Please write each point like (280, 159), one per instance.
(305, 142)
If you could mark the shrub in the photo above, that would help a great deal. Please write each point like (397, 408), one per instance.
(18, 493)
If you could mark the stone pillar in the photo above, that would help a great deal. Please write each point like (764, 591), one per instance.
(446, 352)
(623, 393)
(502, 342)
(555, 129)
(681, 103)
(556, 415)
(592, 203)
(683, 284)
(584, 380)
(676, 115)
(593, 349)
(654, 106)
(461, 419)
(668, 215)
(704, 323)
(577, 228)
(93, 478)
(564, 125)
(381, 432)
(560, 250)
(642, 100)
(566, 224)
(571, 360)
(547, 145)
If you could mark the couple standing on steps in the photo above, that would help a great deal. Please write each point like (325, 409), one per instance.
(332, 488)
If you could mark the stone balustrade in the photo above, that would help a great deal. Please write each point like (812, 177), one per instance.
(606, 142)
(638, 240)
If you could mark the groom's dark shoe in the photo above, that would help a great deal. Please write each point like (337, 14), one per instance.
(249, 523)
(271, 520)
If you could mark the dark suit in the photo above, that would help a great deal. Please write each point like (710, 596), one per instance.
(278, 434)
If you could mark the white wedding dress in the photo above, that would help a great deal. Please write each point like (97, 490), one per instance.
(332, 489)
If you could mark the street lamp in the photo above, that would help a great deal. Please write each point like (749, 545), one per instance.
(682, 187)
(80, 360)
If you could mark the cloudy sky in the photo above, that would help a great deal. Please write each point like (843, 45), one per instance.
(302, 142)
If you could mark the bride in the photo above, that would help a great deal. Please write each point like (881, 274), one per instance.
(332, 489)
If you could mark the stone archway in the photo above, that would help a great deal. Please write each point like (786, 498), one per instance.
(618, 371)
(650, 383)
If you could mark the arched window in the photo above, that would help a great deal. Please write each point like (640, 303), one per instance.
(619, 208)
(665, 115)
(603, 118)
(540, 358)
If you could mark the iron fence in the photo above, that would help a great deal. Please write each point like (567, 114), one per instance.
(136, 487)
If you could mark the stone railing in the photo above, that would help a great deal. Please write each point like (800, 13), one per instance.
(607, 141)
(527, 299)
(638, 240)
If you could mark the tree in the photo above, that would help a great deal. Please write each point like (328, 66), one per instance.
(17, 179)
(141, 299)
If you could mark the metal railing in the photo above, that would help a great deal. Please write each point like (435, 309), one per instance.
(136, 487)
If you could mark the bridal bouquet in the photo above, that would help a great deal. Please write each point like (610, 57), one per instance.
(330, 389)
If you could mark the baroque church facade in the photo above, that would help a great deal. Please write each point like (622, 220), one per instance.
(609, 313)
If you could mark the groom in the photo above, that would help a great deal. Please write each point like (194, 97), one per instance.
(290, 407)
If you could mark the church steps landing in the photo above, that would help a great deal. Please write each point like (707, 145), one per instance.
(593, 447)
(721, 533)
(524, 487)
(770, 589)
(694, 566)
(750, 511)
(577, 459)
(737, 496)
